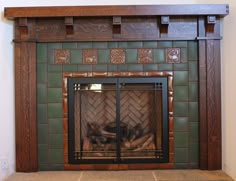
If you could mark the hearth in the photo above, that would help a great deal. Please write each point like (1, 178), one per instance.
(118, 120)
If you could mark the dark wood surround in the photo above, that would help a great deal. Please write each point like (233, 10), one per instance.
(118, 23)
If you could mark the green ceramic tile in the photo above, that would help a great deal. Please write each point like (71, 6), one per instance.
(165, 66)
(122, 67)
(181, 155)
(193, 111)
(194, 152)
(44, 167)
(55, 125)
(54, 80)
(54, 68)
(135, 67)
(56, 141)
(183, 55)
(193, 70)
(70, 68)
(112, 44)
(131, 56)
(150, 67)
(180, 66)
(56, 156)
(42, 134)
(76, 57)
(85, 45)
(41, 73)
(41, 52)
(164, 44)
(194, 165)
(100, 68)
(193, 91)
(41, 93)
(56, 167)
(42, 154)
(181, 109)
(51, 56)
(150, 44)
(52, 46)
(181, 124)
(180, 44)
(181, 166)
(122, 44)
(159, 55)
(100, 45)
(85, 68)
(54, 110)
(103, 56)
(55, 95)
(69, 45)
(180, 78)
(193, 134)
(42, 113)
(181, 93)
(112, 68)
(135, 44)
(192, 50)
(181, 139)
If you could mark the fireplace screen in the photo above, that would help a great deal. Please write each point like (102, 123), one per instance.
(118, 120)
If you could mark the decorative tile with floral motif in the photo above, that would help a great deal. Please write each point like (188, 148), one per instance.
(90, 56)
(62, 56)
(173, 55)
(145, 56)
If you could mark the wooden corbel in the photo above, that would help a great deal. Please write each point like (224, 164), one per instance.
(116, 25)
(165, 20)
(210, 24)
(69, 23)
(23, 24)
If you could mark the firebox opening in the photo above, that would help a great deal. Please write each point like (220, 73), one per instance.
(118, 120)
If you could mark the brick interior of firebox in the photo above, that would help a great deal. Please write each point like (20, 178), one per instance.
(49, 90)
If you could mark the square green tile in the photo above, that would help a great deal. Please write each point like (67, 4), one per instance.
(180, 78)
(150, 44)
(193, 91)
(56, 156)
(103, 56)
(85, 68)
(181, 124)
(181, 165)
(44, 167)
(55, 125)
(193, 112)
(112, 68)
(122, 44)
(55, 80)
(194, 132)
(54, 68)
(183, 55)
(135, 44)
(193, 70)
(69, 45)
(56, 141)
(194, 152)
(51, 56)
(70, 68)
(159, 56)
(76, 57)
(42, 113)
(192, 50)
(180, 66)
(55, 110)
(135, 67)
(42, 154)
(41, 73)
(100, 45)
(180, 44)
(181, 109)
(181, 155)
(41, 52)
(112, 44)
(181, 139)
(181, 93)
(53, 46)
(131, 56)
(100, 68)
(164, 44)
(122, 67)
(165, 67)
(85, 45)
(56, 167)
(55, 95)
(150, 67)
(41, 93)
(42, 134)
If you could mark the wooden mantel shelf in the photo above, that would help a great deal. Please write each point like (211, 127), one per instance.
(149, 10)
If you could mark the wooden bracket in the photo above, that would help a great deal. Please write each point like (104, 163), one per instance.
(116, 25)
(23, 24)
(165, 20)
(210, 24)
(69, 23)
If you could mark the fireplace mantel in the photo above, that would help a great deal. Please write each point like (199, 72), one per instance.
(118, 23)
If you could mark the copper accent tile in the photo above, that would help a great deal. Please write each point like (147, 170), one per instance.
(173, 55)
(171, 124)
(80, 74)
(117, 56)
(99, 74)
(145, 56)
(90, 56)
(62, 56)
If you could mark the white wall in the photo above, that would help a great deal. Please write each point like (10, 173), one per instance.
(7, 145)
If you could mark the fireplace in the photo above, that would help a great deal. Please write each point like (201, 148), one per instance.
(59, 50)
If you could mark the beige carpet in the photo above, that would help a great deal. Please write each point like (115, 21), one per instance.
(149, 175)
